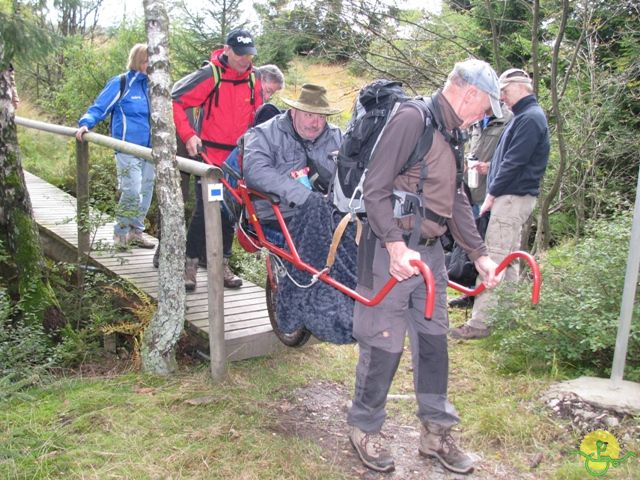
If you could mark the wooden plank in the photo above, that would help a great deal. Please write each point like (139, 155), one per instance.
(233, 301)
(238, 309)
(238, 317)
(247, 328)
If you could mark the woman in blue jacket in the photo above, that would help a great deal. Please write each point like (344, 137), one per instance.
(126, 98)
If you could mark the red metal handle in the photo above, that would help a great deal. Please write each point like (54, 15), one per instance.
(429, 282)
(533, 265)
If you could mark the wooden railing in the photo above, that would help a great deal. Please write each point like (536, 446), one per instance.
(213, 227)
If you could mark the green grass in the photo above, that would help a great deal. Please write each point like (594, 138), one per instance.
(139, 426)
(134, 426)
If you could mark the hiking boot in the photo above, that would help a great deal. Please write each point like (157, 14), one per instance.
(156, 257)
(137, 240)
(120, 242)
(436, 442)
(461, 302)
(190, 271)
(231, 280)
(371, 451)
(467, 332)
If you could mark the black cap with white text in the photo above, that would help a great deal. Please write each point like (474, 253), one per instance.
(241, 42)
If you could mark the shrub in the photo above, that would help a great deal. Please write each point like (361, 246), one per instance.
(26, 351)
(575, 324)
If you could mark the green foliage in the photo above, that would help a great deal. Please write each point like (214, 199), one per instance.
(48, 156)
(87, 68)
(26, 351)
(21, 37)
(249, 265)
(575, 324)
(197, 32)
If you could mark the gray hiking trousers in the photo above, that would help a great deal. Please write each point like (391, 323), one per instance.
(380, 332)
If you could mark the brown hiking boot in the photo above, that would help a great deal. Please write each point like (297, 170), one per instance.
(190, 271)
(231, 280)
(436, 442)
(120, 242)
(467, 332)
(137, 240)
(371, 451)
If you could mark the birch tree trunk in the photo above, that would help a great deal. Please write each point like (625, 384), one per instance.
(18, 230)
(163, 333)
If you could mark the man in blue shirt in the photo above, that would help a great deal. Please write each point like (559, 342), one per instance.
(513, 186)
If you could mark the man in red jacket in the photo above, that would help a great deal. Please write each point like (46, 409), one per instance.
(227, 93)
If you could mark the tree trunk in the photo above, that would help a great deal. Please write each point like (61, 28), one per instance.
(18, 230)
(163, 333)
(494, 38)
(543, 234)
(534, 45)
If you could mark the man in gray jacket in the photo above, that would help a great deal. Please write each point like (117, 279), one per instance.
(289, 154)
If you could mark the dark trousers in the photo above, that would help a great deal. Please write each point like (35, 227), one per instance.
(380, 332)
(196, 235)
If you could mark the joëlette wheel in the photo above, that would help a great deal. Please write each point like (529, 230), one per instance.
(298, 337)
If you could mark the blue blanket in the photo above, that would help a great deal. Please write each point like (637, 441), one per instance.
(322, 309)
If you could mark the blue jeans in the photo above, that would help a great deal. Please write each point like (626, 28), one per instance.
(136, 177)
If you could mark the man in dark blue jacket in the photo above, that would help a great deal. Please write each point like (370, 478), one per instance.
(513, 185)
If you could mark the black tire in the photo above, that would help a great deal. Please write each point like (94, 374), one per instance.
(298, 337)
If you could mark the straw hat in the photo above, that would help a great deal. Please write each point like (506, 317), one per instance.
(312, 99)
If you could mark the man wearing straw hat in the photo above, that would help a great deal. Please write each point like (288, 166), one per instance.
(289, 154)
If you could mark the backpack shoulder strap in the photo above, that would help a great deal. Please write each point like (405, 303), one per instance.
(252, 86)
(425, 107)
(426, 139)
(123, 84)
(216, 74)
(123, 87)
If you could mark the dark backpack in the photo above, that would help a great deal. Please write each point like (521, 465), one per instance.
(460, 268)
(377, 102)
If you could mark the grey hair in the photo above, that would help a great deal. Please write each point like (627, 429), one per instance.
(270, 74)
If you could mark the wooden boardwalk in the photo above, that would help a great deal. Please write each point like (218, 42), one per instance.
(248, 332)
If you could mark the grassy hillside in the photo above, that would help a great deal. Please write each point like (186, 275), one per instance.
(342, 87)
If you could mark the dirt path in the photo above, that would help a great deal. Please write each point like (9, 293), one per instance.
(318, 413)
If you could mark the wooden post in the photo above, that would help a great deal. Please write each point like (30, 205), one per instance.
(213, 229)
(82, 206)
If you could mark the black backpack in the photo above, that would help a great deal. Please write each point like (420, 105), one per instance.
(376, 104)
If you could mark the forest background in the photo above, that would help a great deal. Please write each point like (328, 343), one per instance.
(584, 59)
